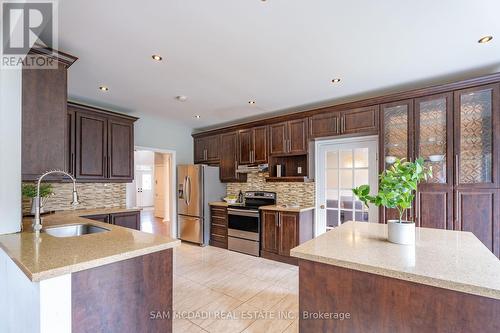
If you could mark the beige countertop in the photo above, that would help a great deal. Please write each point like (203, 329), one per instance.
(447, 259)
(45, 256)
(287, 208)
(219, 203)
(280, 208)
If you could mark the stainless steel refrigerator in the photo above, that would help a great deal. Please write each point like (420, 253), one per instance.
(197, 185)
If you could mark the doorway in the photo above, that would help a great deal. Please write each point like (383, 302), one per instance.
(341, 165)
(153, 190)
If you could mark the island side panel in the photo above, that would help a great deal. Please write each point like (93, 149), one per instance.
(381, 304)
(125, 296)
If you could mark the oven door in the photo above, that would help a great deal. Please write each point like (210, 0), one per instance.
(243, 224)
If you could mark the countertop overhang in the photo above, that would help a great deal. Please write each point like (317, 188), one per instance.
(45, 256)
(453, 260)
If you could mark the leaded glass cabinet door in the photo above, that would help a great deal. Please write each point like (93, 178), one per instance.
(434, 143)
(477, 137)
(396, 141)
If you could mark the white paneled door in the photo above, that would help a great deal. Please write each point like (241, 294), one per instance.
(341, 165)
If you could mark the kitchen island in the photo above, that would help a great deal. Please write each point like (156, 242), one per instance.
(351, 279)
(110, 281)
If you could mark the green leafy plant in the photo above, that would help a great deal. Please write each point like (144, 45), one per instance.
(397, 185)
(29, 190)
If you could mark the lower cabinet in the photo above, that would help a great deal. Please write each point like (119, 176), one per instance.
(282, 231)
(218, 226)
(128, 219)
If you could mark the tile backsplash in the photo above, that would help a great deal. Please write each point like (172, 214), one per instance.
(91, 195)
(288, 193)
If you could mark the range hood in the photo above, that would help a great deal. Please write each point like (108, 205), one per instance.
(252, 169)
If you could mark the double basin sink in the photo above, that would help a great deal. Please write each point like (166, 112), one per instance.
(74, 230)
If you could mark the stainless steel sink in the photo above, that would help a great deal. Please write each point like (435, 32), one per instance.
(74, 230)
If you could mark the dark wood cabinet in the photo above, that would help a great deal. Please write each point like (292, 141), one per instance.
(128, 220)
(120, 149)
(206, 149)
(362, 121)
(289, 138)
(44, 122)
(270, 231)
(104, 145)
(105, 218)
(218, 226)
(91, 145)
(324, 125)
(478, 211)
(253, 145)
(228, 162)
(282, 231)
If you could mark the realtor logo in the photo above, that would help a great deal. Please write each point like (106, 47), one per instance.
(26, 26)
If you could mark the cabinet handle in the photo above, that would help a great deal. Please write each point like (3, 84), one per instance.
(457, 211)
(72, 164)
(205, 154)
(337, 129)
(252, 156)
(279, 220)
(105, 166)
(289, 145)
(109, 167)
(456, 169)
(342, 125)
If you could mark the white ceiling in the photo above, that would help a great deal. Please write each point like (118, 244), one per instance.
(281, 53)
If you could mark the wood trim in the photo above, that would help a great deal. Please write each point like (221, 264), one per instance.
(383, 99)
(101, 110)
(62, 57)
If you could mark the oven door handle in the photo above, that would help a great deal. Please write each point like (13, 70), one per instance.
(242, 212)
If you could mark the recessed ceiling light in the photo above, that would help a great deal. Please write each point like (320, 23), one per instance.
(485, 39)
(103, 88)
(181, 98)
(157, 57)
(197, 116)
(251, 102)
(336, 80)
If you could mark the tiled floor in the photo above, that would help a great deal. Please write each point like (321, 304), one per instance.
(217, 290)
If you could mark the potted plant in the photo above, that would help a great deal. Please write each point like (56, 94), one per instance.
(29, 191)
(397, 190)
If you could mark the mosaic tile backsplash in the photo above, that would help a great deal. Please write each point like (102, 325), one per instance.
(288, 193)
(91, 195)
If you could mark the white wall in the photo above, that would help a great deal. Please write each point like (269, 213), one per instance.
(10, 150)
(155, 132)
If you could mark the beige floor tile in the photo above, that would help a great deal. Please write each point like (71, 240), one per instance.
(238, 286)
(215, 310)
(202, 272)
(267, 271)
(242, 317)
(269, 297)
(185, 326)
(293, 328)
(193, 299)
(290, 282)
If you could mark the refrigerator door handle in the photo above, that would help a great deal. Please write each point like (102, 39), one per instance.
(188, 188)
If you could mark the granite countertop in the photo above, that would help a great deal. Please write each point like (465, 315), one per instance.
(287, 208)
(45, 256)
(280, 208)
(454, 260)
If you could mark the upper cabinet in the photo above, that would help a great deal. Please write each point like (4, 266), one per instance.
(253, 145)
(229, 159)
(477, 137)
(288, 138)
(206, 149)
(361, 121)
(104, 145)
(44, 119)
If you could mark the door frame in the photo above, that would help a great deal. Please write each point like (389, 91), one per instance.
(173, 181)
(320, 227)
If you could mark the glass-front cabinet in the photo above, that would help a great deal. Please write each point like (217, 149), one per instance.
(396, 142)
(476, 130)
(434, 143)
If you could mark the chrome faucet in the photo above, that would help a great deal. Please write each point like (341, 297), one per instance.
(37, 221)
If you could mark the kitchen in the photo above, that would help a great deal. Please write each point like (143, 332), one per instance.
(275, 203)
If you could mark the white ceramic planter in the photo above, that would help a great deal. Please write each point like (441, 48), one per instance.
(401, 232)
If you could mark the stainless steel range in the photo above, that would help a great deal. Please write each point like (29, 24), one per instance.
(244, 222)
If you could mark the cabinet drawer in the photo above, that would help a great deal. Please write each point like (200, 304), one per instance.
(218, 230)
(219, 212)
(219, 220)
(214, 238)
